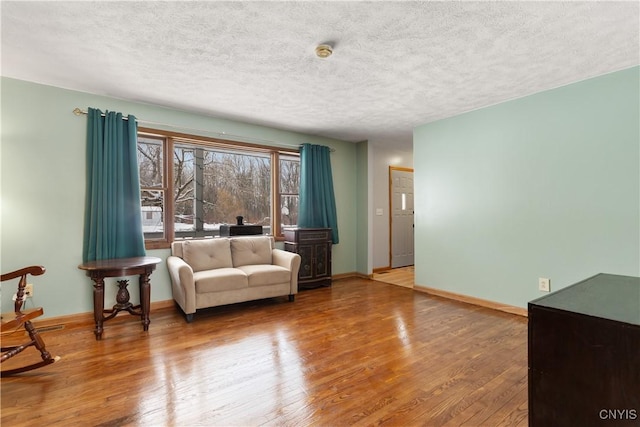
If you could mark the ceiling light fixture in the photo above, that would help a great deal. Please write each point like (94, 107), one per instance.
(324, 51)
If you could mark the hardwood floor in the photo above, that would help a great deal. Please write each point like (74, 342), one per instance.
(402, 276)
(359, 353)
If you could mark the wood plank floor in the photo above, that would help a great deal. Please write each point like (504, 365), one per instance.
(359, 353)
(401, 276)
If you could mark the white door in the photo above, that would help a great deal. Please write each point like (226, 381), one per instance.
(401, 189)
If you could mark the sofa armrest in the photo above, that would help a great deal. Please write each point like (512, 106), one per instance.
(182, 284)
(290, 261)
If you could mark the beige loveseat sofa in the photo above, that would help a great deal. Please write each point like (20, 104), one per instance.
(211, 272)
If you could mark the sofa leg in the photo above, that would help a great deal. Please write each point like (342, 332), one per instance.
(292, 297)
(189, 317)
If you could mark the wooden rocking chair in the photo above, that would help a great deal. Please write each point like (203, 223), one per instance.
(19, 319)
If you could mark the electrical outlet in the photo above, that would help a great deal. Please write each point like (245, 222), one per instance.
(28, 292)
(544, 284)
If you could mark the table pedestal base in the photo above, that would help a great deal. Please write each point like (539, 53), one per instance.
(123, 303)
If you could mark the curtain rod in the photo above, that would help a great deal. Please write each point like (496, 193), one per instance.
(78, 112)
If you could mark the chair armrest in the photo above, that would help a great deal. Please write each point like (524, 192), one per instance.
(182, 284)
(34, 270)
(290, 261)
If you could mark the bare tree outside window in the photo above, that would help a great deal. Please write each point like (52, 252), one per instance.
(183, 189)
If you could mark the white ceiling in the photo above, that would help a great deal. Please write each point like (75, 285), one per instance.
(395, 65)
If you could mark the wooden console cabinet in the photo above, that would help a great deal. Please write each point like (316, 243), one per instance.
(314, 247)
(584, 354)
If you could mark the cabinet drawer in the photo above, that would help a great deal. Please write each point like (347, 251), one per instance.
(307, 234)
(314, 236)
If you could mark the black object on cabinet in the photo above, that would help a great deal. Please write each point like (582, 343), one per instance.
(314, 247)
(584, 354)
(240, 230)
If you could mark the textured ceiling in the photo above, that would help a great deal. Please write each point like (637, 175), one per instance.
(395, 65)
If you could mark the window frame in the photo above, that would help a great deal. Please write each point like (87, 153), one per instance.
(170, 139)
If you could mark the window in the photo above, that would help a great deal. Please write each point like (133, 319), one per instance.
(289, 185)
(210, 183)
(152, 185)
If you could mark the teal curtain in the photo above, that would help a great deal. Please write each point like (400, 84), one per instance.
(113, 219)
(317, 207)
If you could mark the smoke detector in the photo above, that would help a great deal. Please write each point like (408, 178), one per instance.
(324, 51)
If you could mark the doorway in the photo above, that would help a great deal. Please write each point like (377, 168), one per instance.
(401, 229)
(401, 276)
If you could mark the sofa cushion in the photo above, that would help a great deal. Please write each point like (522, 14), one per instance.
(251, 250)
(220, 279)
(207, 254)
(262, 275)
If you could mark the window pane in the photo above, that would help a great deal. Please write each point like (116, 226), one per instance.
(150, 162)
(289, 210)
(152, 214)
(184, 190)
(289, 189)
(289, 175)
(214, 187)
(236, 185)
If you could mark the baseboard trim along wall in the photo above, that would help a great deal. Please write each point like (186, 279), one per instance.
(351, 275)
(473, 300)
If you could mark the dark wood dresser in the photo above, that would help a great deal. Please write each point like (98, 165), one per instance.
(314, 247)
(584, 354)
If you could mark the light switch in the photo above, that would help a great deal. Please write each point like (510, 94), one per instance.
(379, 211)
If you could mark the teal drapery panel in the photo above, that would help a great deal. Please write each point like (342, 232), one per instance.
(113, 219)
(317, 200)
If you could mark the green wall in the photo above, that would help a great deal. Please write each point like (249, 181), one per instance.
(543, 186)
(363, 209)
(43, 188)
